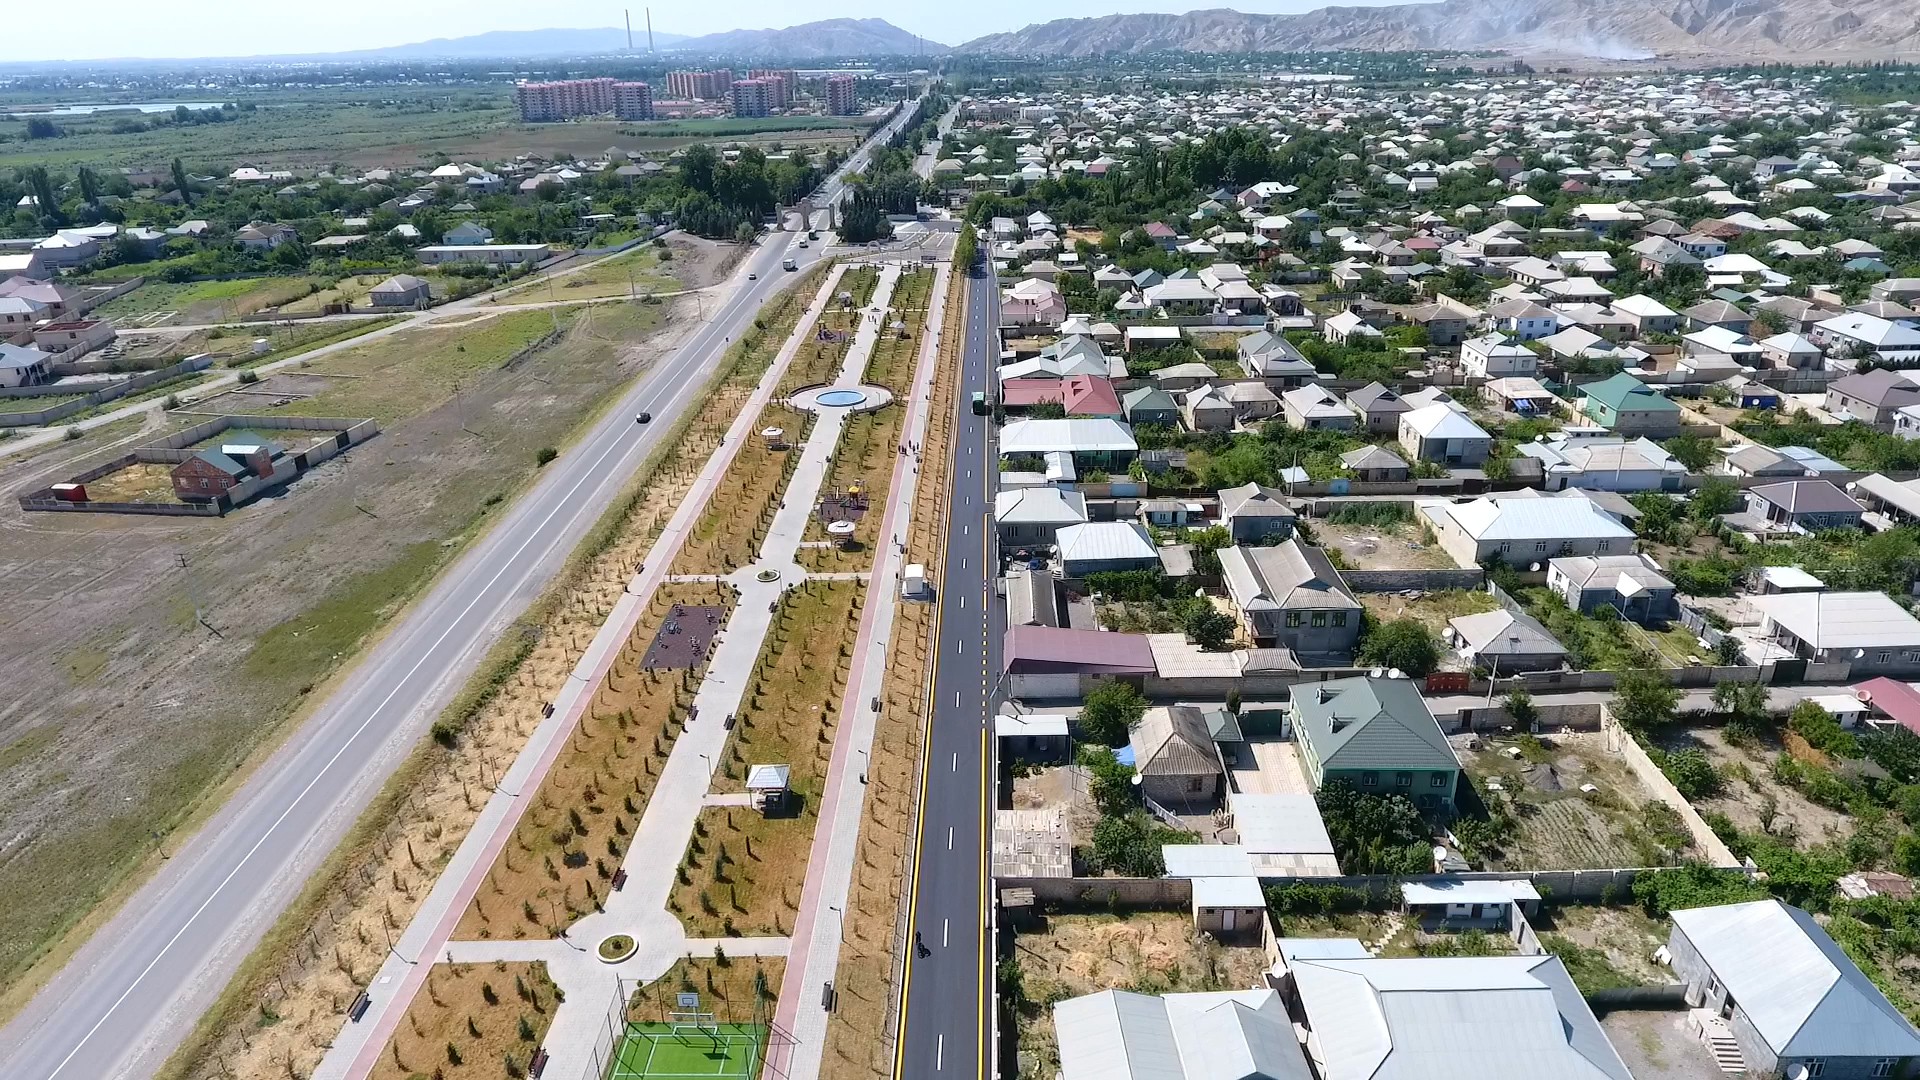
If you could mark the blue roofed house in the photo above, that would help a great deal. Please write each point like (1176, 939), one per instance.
(1377, 735)
(1796, 1005)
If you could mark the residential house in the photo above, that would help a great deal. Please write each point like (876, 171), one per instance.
(23, 366)
(1629, 584)
(1521, 530)
(1520, 394)
(1444, 323)
(1150, 405)
(215, 470)
(1099, 546)
(1442, 433)
(1377, 735)
(1492, 356)
(1871, 397)
(1869, 631)
(1346, 326)
(81, 334)
(1604, 463)
(1627, 406)
(1505, 642)
(1717, 313)
(1253, 513)
(1032, 516)
(1032, 302)
(1289, 596)
(1205, 408)
(1796, 1003)
(1123, 1035)
(1490, 1018)
(1252, 401)
(1176, 759)
(264, 235)
(1856, 334)
(1789, 352)
(1102, 444)
(1523, 320)
(468, 232)
(1804, 506)
(1376, 465)
(401, 291)
(1315, 408)
(1379, 408)
(17, 313)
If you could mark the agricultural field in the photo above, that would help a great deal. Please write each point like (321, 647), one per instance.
(164, 303)
(1557, 826)
(113, 737)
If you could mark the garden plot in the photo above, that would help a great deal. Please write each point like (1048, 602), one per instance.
(1559, 826)
(1393, 546)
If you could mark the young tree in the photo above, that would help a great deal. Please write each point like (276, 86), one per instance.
(1520, 706)
(1406, 644)
(181, 183)
(1110, 711)
(1644, 699)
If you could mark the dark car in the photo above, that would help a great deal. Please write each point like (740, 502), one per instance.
(643, 418)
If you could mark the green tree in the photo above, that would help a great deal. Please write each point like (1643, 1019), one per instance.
(1109, 712)
(1692, 773)
(1745, 701)
(1209, 627)
(181, 183)
(1520, 706)
(1375, 834)
(1715, 496)
(1692, 451)
(89, 186)
(1643, 699)
(1406, 644)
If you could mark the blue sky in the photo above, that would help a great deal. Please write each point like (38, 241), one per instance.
(185, 28)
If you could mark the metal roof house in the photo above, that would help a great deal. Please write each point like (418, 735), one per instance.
(1290, 596)
(1027, 517)
(1630, 584)
(1378, 735)
(1627, 406)
(1489, 1018)
(1506, 642)
(1523, 530)
(1178, 763)
(1096, 546)
(1254, 512)
(1789, 993)
(1093, 444)
(1233, 1035)
(1868, 630)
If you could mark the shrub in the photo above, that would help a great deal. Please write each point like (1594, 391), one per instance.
(1406, 644)
(544, 455)
(249, 377)
(1693, 885)
(1691, 772)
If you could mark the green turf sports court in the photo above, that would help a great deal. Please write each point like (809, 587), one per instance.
(670, 1051)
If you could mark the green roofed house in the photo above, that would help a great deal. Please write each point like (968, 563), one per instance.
(1150, 405)
(1379, 736)
(1627, 406)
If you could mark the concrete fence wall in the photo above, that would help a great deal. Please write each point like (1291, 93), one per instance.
(1711, 847)
(1377, 581)
(108, 393)
(1555, 886)
(94, 300)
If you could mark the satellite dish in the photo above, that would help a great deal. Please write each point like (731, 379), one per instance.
(1396, 673)
(1377, 672)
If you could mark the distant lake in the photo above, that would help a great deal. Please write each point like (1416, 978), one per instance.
(87, 109)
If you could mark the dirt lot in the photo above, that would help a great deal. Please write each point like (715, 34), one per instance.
(1611, 946)
(469, 1020)
(1656, 1045)
(1432, 609)
(1372, 547)
(1559, 827)
(1152, 952)
(113, 733)
(1751, 798)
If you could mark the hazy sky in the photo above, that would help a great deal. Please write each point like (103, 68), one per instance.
(187, 28)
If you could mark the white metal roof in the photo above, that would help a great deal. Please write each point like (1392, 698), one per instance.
(1801, 992)
(1206, 860)
(1842, 620)
(1441, 421)
(1232, 891)
(1100, 541)
(1535, 519)
(1467, 891)
(1083, 435)
(1042, 724)
(1121, 1035)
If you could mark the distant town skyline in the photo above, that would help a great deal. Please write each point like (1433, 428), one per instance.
(133, 29)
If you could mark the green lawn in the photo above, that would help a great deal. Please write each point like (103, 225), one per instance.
(206, 301)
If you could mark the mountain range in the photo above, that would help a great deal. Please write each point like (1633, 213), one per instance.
(1603, 29)
(824, 39)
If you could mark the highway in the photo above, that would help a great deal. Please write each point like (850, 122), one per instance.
(945, 1024)
(127, 998)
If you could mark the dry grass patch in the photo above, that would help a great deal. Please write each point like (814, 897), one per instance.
(572, 838)
(819, 361)
(472, 1021)
(1560, 827)
(1152, 952)
(728, 533)
(856, 1032)
(732, 988)
(743, 872)
(896, 353)
(1431, 609)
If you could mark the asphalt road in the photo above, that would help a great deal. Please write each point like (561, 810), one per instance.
(946, 1021)
(125, 1001)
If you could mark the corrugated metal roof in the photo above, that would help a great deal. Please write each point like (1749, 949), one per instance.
(1279, 824)
(1173, 741)
(1121, 1035)
(1536, 519)
(1207, 860)
(1490, 1018)
(1802, 993)
(1367, 723)
(1461, 891)
(1236, 892)
(1102, 541)
(1082, 436)
(1842, 620)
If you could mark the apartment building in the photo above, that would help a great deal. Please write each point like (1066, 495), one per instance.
(703, 85)
(751, 97)
(843, 98)
(781, 80)
(632, 101)
(545, 102)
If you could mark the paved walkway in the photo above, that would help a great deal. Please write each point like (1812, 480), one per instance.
(358, 1046)
(820, 926)
(683, 790)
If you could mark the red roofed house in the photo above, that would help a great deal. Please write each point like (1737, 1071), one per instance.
(1080, 395)
(1893, 700)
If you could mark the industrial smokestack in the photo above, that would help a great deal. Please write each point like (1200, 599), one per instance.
(628, 15)
(649, 12)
